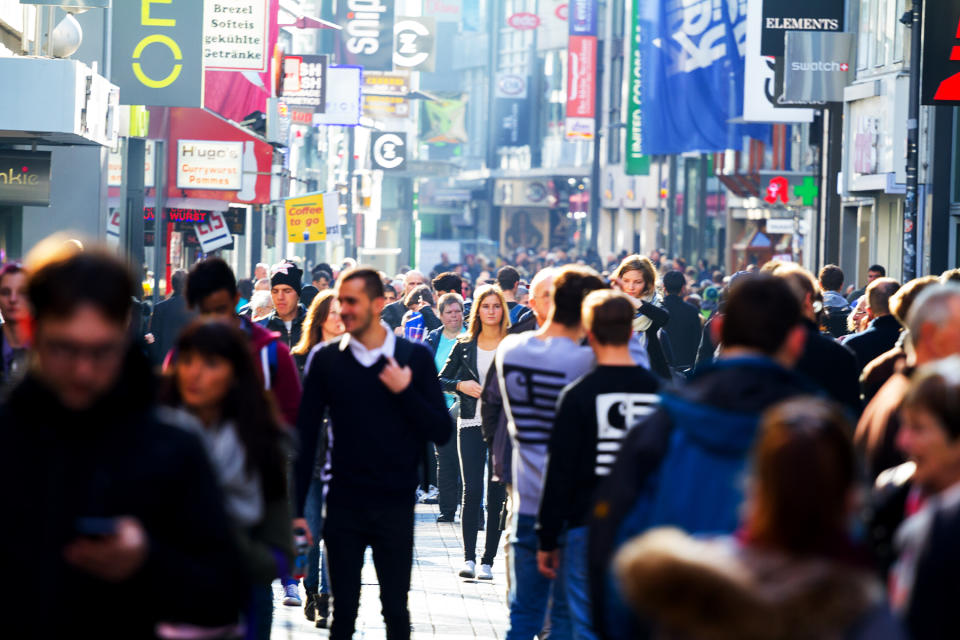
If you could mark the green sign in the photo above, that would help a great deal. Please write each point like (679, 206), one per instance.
(808, 191)
(636, 164)
(157, 57)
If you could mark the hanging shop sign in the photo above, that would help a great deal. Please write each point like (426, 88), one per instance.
(524, 21)
(388, 151)
(780, 16)
(115, 166)
(306, 217)
(304, 83)
(581, 87)
(415, 44)
(236, 218)
(636, 163)
(236, 35)
(760, 100)
(367, 36)
(383, 107)
(25, 178)
(209, 164)
(511, 110)
(157, 52)
(941, 60)
(443, 10)
(582, 15)
(818, 66)
(386, 83)
(214, 233)
(343, 97)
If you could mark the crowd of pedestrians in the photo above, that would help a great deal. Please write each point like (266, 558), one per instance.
(670, 451)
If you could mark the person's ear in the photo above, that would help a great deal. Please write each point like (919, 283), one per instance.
(795, 343)
(716, 329)
(378, 304)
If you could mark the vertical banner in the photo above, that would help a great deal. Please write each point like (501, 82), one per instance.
(636, 162)
(157, 54)
(367, 36)
(760, 100)
(582, 70)
(511, 107)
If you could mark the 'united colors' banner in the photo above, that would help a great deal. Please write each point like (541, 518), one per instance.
(691, 57)
(582, 70)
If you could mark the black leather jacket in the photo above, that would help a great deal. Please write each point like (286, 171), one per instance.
(461, 366)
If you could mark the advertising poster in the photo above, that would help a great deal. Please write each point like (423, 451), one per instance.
(511, 110)
(581, 70)
(306, 219)
(636, 162)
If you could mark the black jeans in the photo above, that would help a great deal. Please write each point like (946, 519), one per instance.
(473, 458)
(448, 478)
(388, 531)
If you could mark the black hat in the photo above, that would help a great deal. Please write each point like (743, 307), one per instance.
(287, 273)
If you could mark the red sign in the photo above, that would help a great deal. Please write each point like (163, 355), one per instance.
(524, 21)
(561, 11)
(581, 86)
(778, 190)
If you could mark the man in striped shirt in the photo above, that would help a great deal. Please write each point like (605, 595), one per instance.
(532, 370)
(593, 416)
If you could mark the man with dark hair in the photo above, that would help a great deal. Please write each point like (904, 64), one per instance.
(125, 524)
(532, 368)
(212, 291)
(874, 271)
(593, 416)
(836, 309)
(385, 403)
(286, 283)
(321, 276)
(684, 326)
(170, 316)
(883, 331)
(447, 283)
(683, 465)
(508, 279)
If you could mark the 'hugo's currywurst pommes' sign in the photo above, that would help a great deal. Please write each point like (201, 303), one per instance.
(158, 52)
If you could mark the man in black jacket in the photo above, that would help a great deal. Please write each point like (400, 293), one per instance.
(393, 313)
(288, 314)
(385, 403)
(684, 326)
(170, 316)
(122, 523)
(884, 330)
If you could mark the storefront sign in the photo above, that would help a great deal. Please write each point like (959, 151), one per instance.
(115, 167)
(306, 217)
(236, 218)
(524, 21)
(367, 36)
(235, 35)
(380, 107)
(304, 85)
(636, 162)
(941, 60)
(25, 178)
(214, 233)
(443, 10)
(817, 67)
(415, 46)
(388, 151)
(581, 87)
(583, 17)
(389, 83)
(780, 16)
(158, 52)
(208, 164)
(780, 225)
(760, 100)
(511, 110)
(343, 97)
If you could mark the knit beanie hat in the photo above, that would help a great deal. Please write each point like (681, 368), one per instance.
(287, 273)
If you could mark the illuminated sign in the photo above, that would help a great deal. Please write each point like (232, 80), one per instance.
(25, 178)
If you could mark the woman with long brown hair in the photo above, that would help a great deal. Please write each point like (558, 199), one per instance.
(321, 324)
(637, 277)
(466, 368)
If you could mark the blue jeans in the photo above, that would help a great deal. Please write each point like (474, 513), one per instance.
(533, 596)
(313, 512)
(573, 565)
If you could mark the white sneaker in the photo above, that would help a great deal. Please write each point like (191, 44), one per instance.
(485, 573)
(291, 595)
(469, 569)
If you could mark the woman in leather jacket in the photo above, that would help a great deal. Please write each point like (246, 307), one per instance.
(637, 278)
(468, 364)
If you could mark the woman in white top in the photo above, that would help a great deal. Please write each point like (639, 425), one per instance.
(469, 361)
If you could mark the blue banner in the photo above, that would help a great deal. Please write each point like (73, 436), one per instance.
(582, 15)
(692, 63)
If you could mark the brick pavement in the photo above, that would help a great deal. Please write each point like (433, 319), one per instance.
(442, 605)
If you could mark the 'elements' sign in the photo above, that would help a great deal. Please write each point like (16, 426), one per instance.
(158, 52)
(25, 178)
(780, 16)
(388, 151)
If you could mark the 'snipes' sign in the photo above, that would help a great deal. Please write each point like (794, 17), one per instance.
(388, 151)
(235, 35)
(208, 164)
(158, 52)
(941, 53)
(25, 178)
(367, 36)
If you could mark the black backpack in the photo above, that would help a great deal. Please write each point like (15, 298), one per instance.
(835, 320)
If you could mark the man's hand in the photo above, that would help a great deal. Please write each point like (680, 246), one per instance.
(301, 523)
(548, 562)
(395, 377)
(149, 338)
(471, 387)
(113, 558)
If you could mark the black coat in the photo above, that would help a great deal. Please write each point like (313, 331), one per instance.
(833, 367)
(932, 613)
(685, 329)
(393, 314)
(169, 318)
(115, 459)
(875, 340)
(659, 361)
(290, 338)
(461, 366)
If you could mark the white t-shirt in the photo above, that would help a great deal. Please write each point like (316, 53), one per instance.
(484, 361)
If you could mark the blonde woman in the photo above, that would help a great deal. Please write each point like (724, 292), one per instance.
(637, 277)
(468, 364)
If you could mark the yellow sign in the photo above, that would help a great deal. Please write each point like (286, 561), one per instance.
(305, 219)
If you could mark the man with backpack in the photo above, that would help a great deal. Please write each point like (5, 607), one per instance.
(835, 306)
